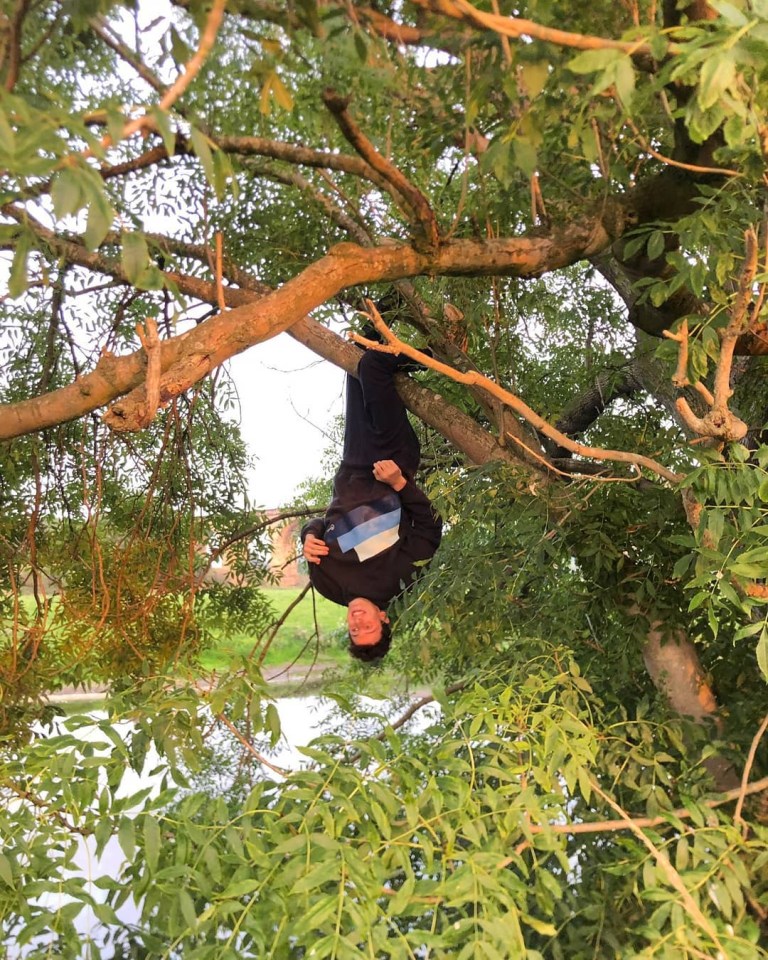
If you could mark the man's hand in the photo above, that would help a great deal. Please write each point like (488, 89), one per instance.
(314, 549)
(387, 471)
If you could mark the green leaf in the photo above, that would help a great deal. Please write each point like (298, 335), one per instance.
(240, 888)
(749, 631)
(625, 80)
(7, 135)
(152, 842)
(179, 49)
(729, 12)
(201, 146)
(320, 874)
(544, 927)
(281, 93)
(187, 907)
(535, 76)
(525, 155)
(100, 212)
(135, 255)
(166, 130)
(590, 61)
(272, 723)
(67, 192)
(126, 837)
(6, 870)
(361, 47)
(115, 124)
(18, 280)
(717, 74)
(655, 245)
(402, 898)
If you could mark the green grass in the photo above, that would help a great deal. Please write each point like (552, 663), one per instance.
(292, 635)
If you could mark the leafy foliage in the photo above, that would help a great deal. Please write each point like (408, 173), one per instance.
(605, 183)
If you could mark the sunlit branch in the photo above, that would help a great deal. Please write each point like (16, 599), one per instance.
(394, 345)
(720, 423)
(517, 27)
(190, 356)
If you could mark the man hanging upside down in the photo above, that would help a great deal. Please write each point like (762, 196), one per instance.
(379, 525)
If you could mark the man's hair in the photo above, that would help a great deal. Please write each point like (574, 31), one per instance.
(372, 651)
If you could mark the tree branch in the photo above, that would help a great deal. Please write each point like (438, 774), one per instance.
(582, 412)
(186, 359)
(720, 423)
(11, 53)
(394, 345)
(425, 222)
(517, 27)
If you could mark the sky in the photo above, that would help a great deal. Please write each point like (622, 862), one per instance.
(288, 397)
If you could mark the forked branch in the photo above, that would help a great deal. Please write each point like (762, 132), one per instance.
(720, 423)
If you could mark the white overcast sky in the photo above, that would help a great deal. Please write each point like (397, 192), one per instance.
(288, 397)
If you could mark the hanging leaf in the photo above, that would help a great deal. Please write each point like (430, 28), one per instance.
(202, 147)
(135, 255)
(67, 192)
(18, 280)
(165, 129)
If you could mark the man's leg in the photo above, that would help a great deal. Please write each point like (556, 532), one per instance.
(392, 436)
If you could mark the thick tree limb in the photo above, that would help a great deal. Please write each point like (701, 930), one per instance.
(191, 356)
(583, 410)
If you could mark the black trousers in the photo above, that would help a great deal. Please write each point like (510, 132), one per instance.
(376, 424)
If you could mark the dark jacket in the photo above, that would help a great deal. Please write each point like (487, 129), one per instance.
(376, 538)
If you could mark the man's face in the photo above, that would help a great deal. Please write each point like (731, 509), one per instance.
(364, 620)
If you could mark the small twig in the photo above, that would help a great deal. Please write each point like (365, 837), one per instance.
(286, 613)
(251, 532)
(417, 203)
(692, 167)
(737, 817)
(680, 378)
(472, 378)
(251, 749)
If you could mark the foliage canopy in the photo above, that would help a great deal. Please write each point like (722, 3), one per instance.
(566, 201)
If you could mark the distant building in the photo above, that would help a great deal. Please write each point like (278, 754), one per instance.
(286, 562)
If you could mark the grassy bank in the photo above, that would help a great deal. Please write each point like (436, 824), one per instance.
(295, 638)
